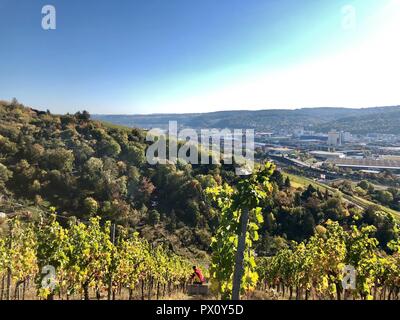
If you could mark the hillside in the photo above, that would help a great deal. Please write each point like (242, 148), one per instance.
(85, 168)
(368, 120)
(384, 121)
(65, 179)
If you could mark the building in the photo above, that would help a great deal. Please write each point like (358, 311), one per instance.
(334, 138)
(324, 155)
(298, 132)
(317, 138)
(354, 154)
(368, 164)
(347, 137)
(280, 151)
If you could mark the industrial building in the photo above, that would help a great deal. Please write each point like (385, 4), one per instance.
(334, 138)
(324, 155)
(368, 164)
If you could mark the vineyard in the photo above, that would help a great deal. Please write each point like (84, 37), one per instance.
(44, 259)
(299, 235)
(314, 270)
(89, 266)
(88, 262)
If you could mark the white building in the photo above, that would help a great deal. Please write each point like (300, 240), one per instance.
(334, 138)
(347, 137)
(327, 155)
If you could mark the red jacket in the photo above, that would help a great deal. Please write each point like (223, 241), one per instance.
(198, 276)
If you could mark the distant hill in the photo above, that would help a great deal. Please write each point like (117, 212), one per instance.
(367, 120)
(385, 120)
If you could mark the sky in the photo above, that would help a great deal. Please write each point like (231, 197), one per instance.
(180, 56)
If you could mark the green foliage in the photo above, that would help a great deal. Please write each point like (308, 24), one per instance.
(85, 258)
(72, 162)
(317, 266)
(91, 206)
(18, 252)
(5, 175)
(248, 195)
(154, 217)
(87, 168)
(53, 245)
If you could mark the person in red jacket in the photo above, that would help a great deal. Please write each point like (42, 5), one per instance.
(197, 276)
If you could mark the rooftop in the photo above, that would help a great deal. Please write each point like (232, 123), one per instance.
(368, 163)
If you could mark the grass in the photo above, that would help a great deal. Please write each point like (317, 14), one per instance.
(114, 126)
(303, 182)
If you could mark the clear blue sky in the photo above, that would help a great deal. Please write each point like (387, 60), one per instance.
(148, 56)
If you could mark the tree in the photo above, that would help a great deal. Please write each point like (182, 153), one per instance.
(60, 159)
(364, 184)
(91, 206)
(277, 177)
(5, 175)
(135, 154)
(14, 102)
(287, 183)
(108, 147)
(83, 116)
(309, 192)
(146, 189)
(154, 217)
(385, 197)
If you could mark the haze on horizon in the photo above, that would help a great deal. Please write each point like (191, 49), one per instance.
(177, 56)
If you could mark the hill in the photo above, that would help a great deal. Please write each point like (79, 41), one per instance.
(367, 120)
(88, 168)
